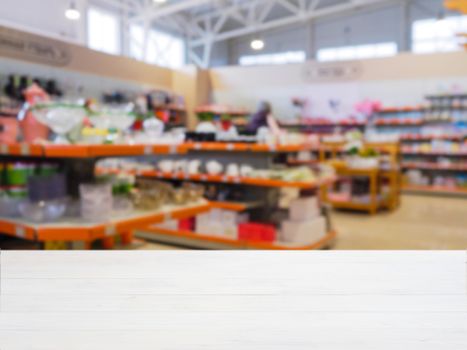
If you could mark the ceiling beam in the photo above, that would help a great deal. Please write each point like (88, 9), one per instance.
(154, 11)
(125, 5)
(287, 20)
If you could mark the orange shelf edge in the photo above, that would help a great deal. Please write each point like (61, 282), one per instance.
(240, 244)
(85, 151)
(17, 230)
(21, 149)
(98, 231)
(239, 207)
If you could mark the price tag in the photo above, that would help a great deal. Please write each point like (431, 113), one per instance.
(20, 232)
(4, 148)
(272, 147)
(110, 230)
(198, 146)
(237, 180)
(148, 150)
(225, 179)
(203, 178)
(230, 147)
(173, 149)
(25, 151)
(167, 216)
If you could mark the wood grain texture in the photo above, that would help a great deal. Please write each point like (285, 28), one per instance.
(233, 300)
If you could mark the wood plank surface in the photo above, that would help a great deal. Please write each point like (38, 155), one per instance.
(233, 300)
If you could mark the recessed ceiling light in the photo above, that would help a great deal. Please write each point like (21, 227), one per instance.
(257, 44)
(72, 13)
(159, 1)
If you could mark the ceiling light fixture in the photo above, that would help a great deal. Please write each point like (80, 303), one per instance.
(257, 44)
(72, 12)
(159, 1)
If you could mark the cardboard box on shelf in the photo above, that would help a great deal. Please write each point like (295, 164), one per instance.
(304, 209)
(169, 225)
(217, 229)
(305, 232)
(222, 216)
(220, 222)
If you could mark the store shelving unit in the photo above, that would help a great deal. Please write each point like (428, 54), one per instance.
(421, 130)
(80, 234)
(263, 192)
(79, 162)
(375, 201)
(333, 151)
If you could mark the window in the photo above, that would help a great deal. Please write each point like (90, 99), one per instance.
(275, 58)
(357, 52)
(163, 49)
(103, 31)
(433, 35)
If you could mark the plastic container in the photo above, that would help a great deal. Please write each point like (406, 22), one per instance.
(96, 201)
(9, 204)
(42, 211)
(44, 188)
(19, 192)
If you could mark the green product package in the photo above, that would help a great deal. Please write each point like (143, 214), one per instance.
(17, 174)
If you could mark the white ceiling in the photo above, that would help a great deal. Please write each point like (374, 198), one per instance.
(205, 22)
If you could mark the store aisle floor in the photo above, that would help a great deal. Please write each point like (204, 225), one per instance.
(421, 222)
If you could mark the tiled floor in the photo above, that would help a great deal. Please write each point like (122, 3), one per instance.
(421, 222)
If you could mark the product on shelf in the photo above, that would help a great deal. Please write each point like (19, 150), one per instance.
(218, 222)
(257, 232)
(436, 148)
(304, 209)
(96, 201)
(304, 232)
(214, 168)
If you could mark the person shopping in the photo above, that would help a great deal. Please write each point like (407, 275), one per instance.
(263, 118)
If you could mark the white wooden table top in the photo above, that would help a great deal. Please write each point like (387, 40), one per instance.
(233, 300)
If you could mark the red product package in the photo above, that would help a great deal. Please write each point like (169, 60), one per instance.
(256, 232)
(186, 224)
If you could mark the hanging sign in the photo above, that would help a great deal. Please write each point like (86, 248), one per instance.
(316, 72)
(30, 47)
